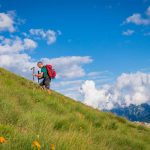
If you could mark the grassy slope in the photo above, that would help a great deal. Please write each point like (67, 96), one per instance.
(27, 114)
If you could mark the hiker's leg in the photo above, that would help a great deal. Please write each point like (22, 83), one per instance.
(42, 84)
(47, 83)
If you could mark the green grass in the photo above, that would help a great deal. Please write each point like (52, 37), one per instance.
(27, 113)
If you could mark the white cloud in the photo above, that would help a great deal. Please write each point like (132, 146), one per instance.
(92, 96)
(18, 63)
(128, 89)
(72, 87)
(13, 56)
(49, 35)
(70, 66)
(6, 22)
(128, 32)
(29, 44)
(15, 45)
(137, 18)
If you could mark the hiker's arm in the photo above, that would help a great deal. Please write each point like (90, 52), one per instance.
(40, 75)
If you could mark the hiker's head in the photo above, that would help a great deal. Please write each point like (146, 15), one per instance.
(40, 64)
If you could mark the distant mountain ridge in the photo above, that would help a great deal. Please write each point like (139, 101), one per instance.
(134, 113)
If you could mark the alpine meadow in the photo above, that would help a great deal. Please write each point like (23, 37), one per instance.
(30, 118)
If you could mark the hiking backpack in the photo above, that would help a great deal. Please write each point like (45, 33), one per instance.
(51, 72)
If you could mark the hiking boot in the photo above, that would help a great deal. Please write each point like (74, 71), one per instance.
(49, 91)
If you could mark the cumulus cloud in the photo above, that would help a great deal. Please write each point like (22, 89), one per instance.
(128, 89)
(14, 49)
(18, 63)
(128, 32)
(29, 44)
(6, 22)
(72, 87)
(70, 66)
(21, 63)
(13, 56)
(15, 45)
(48, 35)
(137, 18)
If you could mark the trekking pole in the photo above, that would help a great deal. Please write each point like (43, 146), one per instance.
(38, 77)
(33, 71)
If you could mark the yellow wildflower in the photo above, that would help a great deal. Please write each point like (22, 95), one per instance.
(36, 144)
(81, 129)
(2, 140)
(52, 147)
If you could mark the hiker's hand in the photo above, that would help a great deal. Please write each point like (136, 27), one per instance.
(35, 75)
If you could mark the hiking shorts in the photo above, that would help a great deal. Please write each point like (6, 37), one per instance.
(46, 82)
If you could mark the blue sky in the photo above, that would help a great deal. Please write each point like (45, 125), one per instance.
(92, 27)
(104, 30)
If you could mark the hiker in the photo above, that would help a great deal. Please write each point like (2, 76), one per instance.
(47, 73)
